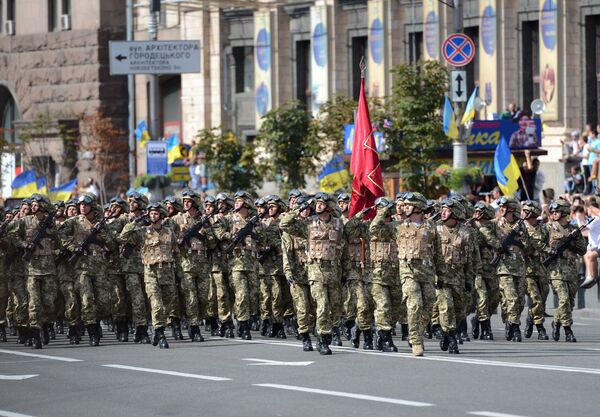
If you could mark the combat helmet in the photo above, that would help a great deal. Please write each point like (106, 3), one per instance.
(416, 200)
(192, 195)
(43, 202)
(456, 207)
(486, 210)
(560, 204)
(140, 199)
(532, 207)
(246, 198)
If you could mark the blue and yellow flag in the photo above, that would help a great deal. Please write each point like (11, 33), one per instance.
(141, 133)
(41, 186)
(334, 175)
(470, 110)
(449, 121)
(173, 148)
(63, 192)
(506, 168)
(24, 185)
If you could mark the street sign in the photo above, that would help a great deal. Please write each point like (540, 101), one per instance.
(458, 50)
(180, 172)
(458, 93)
(157, 161)
(154, 57)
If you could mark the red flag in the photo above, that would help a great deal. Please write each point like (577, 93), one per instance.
(367, 184)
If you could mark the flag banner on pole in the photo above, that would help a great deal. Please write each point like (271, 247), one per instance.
(506, 168)
(24, 185)
(334, 175)
(63, 192)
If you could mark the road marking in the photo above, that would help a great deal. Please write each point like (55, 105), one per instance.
(5, 413)
(16, 377)
(163, 372)
(37, 355)
(346, 395)
(492, 414)
(266, 362)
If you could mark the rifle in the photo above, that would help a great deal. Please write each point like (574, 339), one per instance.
(508, 241)
(564, 244)
(244, 231)
(89, 239)
(127, 248)
(40, 233)
(192, 232)
(62, 255)
(435, 216)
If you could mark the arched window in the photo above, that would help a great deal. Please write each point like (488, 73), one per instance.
(9, 112)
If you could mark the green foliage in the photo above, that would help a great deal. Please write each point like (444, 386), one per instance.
(284, 135)
(230, 164)
(328, 126)
(153, 181)
(456, 179)
(415, 132)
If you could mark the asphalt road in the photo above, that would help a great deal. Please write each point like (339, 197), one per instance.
(266, 377)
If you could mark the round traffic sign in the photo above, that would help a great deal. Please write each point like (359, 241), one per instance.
(458, 50)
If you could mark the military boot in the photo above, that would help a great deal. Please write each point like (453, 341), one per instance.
(51, 331)
(427, 334)
(368, 339)
(489, 335)
(45, 335)
(569, 336)
(230, 329)
(2, 333)
(36, 338)
(445, 342)
(141, 334)
(280, 332)
(404, 331)
(542, 335)
(417, 350)
(355, 338)
(291, 327)
(264, 327)
(324, 341)
(387, 342)
(196, 335)
(437, 331)
(122, 333)
(348, 325)
(528, 326)
(452, 345)
(162, 339)
(214, 326)
(60, 326)
(244, 330)
(475, 327)
(508, 331)
(176, 329)
(378, 340)
(29, 333)
(336, 337)
(254, 322)
(73, 335)
(516, 333)
(555, 331)
(93, 335)
(306, 343)
(464, 330)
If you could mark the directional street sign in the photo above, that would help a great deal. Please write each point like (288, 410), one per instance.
(459, 86)
(154, 57)
(458, 50)
(157, 158)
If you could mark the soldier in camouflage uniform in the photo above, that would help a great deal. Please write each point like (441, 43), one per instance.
(7, 217)
(293, 196)
(486, 282)
(265, 297)
(419, 252)
(41, 270)
(243, 261)
(195, 263)
(93, 285)
(536, 274)
(402, 317)
(295, 269)
(563, 268)
(212, 306)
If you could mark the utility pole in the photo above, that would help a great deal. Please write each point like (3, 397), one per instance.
(130, 103)
(459, 146)
(155, 128)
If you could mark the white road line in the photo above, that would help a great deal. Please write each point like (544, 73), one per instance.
(37, 355)
(163, 372)
(5, 413)
(492, 414)
(16, 377)
(346, 395)
(268, 362)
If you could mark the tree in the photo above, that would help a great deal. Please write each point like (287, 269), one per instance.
(292, 151)
(415, 132)
(230, 164)
(107, 143)
(328, 126)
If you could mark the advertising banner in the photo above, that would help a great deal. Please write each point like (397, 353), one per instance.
(431, 30)
(549, 58)
(488, 55)
(319, 57)
(262, 64)
(377, 65)
(524, 134)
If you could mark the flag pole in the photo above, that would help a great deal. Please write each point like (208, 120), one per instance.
(524, 187)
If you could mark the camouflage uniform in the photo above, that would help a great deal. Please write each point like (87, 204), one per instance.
(114, 269)
(3, 295)
(224, 289)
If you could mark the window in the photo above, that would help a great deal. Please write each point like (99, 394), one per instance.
(10, 10)
(303, 84)
(10, 113)
(472, 68)
(415, 45)
(592, 69)
(66, 7)
(531, 62)
(53, 16)
(359, 50)
(244, 68)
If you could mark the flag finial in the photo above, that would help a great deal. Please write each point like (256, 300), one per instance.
(363, 67)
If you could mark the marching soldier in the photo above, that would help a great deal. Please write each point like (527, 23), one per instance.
(264, 294)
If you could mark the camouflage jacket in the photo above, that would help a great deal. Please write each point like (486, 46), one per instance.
(512, 262)
(42, 259)
(271, 254)
(245, 254)
(564, 267)
(457, 244)
(535, 254)
(195, 254)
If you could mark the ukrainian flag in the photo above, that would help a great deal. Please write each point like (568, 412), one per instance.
(63, 192)
(24, 184)
(173, 148)
(506, 168)
(470, 110)
(450, 127)
(41, 185)
(141, 133)
(334, 175)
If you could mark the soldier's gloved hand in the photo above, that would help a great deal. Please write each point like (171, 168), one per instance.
(291, 281)
(365, 211)
(438, 284)
(468, 286)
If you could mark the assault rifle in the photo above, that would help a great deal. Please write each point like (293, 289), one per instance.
(507, 242)
(247, 230)
(4, 226)
(40, 233)
(565, 244)
(192, 232)
(89, 240)
(127, 248)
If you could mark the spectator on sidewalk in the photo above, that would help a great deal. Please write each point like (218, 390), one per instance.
(574, 183)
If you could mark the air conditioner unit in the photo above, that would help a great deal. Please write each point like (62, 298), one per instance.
(65, 22)
(9, 27)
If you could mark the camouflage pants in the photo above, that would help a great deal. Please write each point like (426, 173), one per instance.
(387, 300)
(281, 304)
(194, 286)
(224, 295)
(565, 291)
(450, 303)
(17, 286)
(211, 302)
(254, 288)
(326, 297)
(42, 296)
(488, 295)
(265, 296)
(537, 290)
(337, 302)
(357, 304)
(419, 297)
(162, 293)
(119, 305)
(242, 281)
(136, 295)
(95, 293)
(3, 295)
(512, 290)
(71, 302)
(304, 305)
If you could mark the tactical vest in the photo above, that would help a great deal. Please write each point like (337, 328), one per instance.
(325, 239)
(415, 241)
(503, 229)
(46, 245)
(355, 249)
(557, 233)
(185, 222)
(384, 251)
(300, 250)
(248, 244)
(83, 229)
(158, 245)
(454, 245)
